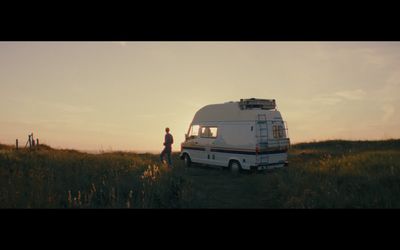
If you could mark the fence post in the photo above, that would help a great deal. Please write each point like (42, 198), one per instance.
(37, 142)
(16, 144)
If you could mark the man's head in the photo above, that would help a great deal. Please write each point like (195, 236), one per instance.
(167, 130)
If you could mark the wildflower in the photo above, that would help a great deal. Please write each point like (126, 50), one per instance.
(79, 198)
(69, 197)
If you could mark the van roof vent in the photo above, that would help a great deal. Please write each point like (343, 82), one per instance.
(254, 103)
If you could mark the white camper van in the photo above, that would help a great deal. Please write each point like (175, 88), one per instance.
(249, 134)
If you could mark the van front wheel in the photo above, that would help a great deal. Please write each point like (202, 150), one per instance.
(187, 160)
(235, 167)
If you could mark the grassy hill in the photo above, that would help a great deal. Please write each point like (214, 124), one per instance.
(328, 174)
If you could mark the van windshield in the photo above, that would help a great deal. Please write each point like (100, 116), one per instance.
(194, 131)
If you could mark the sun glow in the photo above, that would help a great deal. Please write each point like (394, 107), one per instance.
(121, 95)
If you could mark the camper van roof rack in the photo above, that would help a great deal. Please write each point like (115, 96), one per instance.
(257, 103)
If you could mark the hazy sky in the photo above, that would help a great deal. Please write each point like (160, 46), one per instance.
(121, 95)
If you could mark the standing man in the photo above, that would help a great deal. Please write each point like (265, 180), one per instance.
(168, 140)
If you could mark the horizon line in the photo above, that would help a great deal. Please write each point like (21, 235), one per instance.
(101, 151)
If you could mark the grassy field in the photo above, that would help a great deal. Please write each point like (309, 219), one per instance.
(329, 174)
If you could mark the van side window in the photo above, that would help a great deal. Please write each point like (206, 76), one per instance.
(194, 131)
(208, 132)
(213, 131)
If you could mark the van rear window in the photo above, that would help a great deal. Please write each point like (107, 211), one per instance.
(278, 131)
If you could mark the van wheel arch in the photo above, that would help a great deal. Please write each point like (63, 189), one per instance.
(234, 166)
(186, 159)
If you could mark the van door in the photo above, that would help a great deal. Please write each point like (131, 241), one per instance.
(279, 134)
(193, 144)
(207, 136)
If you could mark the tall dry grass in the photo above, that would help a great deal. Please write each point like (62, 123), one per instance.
(333, 174)
(49, 178)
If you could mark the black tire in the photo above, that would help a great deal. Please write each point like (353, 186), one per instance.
(187, 161)
(235, 167)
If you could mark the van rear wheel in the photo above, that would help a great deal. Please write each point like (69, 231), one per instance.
(187, 160)
(235, 166)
